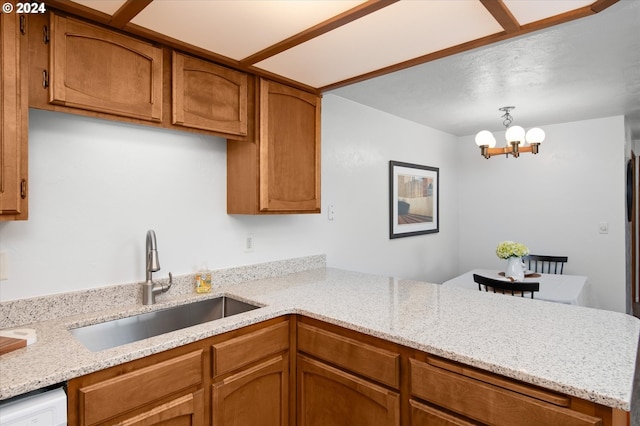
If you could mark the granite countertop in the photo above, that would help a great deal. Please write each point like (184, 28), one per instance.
(584, 352)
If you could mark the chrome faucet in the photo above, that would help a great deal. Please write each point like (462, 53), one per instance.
(149, 288)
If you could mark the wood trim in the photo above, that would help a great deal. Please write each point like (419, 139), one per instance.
(127, 12)
(317, 30)
(502, 14)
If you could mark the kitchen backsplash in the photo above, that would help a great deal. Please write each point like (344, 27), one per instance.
(26, 311)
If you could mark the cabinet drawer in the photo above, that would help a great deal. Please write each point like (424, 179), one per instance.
(490, 403)
(244, 350)
(109, 398)
(377, 364)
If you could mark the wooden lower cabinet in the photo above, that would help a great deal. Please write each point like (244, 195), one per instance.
(236, 378)
(255, 396)
(426, 415)
(328, 396)
(295, 370)
(187, 410)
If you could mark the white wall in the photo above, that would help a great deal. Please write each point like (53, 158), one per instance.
(358, 143)
(97, 186)
(553, 203)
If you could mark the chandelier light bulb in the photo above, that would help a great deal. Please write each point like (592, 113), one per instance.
(535, 135)
(515, 134)
(518, 141)
(485, 137)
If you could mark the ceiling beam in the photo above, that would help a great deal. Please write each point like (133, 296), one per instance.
(601, 5)
(324, 27)
(502, 14)
(464, 47)
(127, 12)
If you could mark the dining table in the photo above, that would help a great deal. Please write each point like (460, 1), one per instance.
(559, 288)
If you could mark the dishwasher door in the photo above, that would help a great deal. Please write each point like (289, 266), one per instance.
(48, 408)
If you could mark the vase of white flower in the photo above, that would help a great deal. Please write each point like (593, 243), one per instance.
(513, 253)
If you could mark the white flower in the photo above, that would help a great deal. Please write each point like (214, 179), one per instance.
(507, 249)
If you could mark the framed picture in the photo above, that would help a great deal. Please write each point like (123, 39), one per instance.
(413, 199)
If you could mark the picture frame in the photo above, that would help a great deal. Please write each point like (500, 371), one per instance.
(414, 199)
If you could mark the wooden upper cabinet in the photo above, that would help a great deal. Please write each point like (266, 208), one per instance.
(100, 70)
(279, 172)
(13, 117)
(290, 149)
(207, 96)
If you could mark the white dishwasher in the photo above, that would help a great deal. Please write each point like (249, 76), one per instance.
(40, 408)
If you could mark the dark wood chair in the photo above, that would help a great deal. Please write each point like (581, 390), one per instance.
(546, 264)
(506, 287)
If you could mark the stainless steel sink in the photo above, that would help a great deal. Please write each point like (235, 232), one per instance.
(118, 332)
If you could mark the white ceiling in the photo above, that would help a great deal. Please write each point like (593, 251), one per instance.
(582, 69)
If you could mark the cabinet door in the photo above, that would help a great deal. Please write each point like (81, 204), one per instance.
(100, 70)
(208, 97)
(425, 415)
(187, 410)
(289, 149)
(13, 117)
(256, 396)
(328, 396)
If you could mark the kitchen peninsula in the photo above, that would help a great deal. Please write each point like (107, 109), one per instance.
(579, 352)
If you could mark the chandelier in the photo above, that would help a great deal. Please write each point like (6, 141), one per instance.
(517, 141)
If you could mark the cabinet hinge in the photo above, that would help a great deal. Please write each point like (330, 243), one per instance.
(23, 189)
(45, 34)
(45, 78)
(23, 24)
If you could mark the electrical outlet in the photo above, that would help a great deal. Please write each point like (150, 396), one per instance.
(331, 212)
(248, 242)
(603, 227)
(4, 273)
